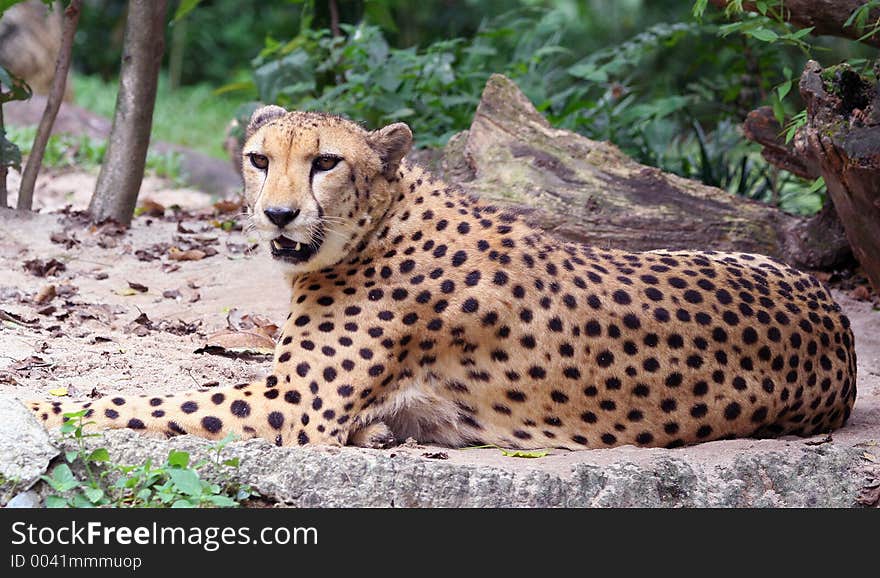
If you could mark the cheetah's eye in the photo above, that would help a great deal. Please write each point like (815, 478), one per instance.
(325, 162)
(259, 161)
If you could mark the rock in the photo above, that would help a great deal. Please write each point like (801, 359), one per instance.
(589, 191)
(737, 473)
(28, 499)
(25, 446)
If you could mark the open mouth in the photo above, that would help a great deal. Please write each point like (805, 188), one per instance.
(295, 251)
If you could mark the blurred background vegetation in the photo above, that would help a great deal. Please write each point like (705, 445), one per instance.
(667, 86)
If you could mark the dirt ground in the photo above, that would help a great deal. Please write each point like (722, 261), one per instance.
(127, 316)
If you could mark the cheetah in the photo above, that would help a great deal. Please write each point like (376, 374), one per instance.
(420, 311)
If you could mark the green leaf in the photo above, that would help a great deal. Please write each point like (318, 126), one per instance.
(94, 495)
(234, 86)
(524, 453)
(13, 87)
(797, 35)
(232, 462)
(183, 504)
(70, 455)
(186, 482)
(55, 502)
(10, 155)
(778, 110)
(184, 8)
(783, 89)
(62, 479)
(178, 459)
(763, 34)
(99, 455)
(816, 185)
(222, 501)
(699, 8)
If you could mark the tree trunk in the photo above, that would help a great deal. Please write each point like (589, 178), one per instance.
(843, 134)
(121, 173)
(840, 143)
(825, 16)
(590, 192)
(3, 170)
(53, 103)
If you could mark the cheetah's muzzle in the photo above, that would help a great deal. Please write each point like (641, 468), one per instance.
(292, 251)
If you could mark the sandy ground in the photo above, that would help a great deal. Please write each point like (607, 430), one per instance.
(87, 338)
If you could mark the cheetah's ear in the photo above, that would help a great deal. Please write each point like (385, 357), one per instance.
(261, 116)
(392, 143)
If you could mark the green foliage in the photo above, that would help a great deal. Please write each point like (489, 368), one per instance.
(85, 152)
(176, 483)
(859, 19)
(11, 88)
(192, 116)
(683, 119)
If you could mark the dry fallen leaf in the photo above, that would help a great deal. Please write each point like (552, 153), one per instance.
(151, 208)
(44, 268)
(870, 457)
(861, 293)
(825, 440)
(58, 391)
(176, 254)
(171, 294)
(226, 206)
(138, 287)
(65, 239)
(17, 319)
(46, 294)
(235, 343)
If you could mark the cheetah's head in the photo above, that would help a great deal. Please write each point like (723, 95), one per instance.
(316, 183)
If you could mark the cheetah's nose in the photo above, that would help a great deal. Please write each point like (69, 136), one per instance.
(280, 216)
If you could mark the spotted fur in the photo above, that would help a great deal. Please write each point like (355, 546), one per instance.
(421, 311)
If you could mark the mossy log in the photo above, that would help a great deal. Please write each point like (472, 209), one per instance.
(589, 191)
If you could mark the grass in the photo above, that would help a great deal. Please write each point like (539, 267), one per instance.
(85, 152)
(191, 116)
(176, 483)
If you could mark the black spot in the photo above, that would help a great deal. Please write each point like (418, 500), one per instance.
(212, 424)
(470, 305)
(644, 438)
(240, 408)
(135, 423)
(605, 358)
(189, 407)
(732, 411)
(621, 297)
(276, 419)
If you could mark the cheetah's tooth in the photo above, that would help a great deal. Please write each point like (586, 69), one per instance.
(296, 247)
(276, 245)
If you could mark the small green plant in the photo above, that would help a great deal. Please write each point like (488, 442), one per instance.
(86, 152)
(176, 483)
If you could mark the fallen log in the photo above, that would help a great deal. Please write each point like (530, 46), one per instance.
(589, 191)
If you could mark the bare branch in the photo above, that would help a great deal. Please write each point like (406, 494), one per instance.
(53, 103)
